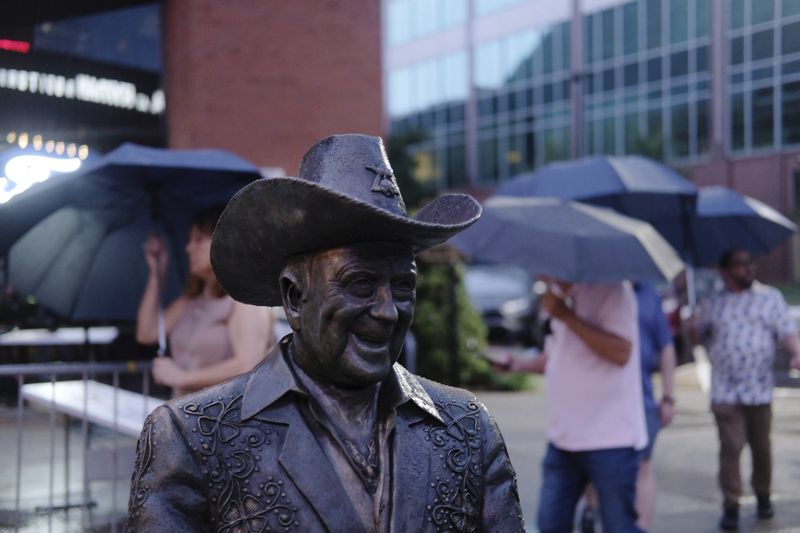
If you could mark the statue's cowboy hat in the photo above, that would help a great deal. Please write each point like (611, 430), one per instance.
(345, 193)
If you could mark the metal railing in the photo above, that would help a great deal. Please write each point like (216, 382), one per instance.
(110, 418)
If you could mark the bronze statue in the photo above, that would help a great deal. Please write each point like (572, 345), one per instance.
(327, 433)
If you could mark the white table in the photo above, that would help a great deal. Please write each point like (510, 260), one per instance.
(59, 337)
(68, 398)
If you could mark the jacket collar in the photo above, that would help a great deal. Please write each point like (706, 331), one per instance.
(274, 378)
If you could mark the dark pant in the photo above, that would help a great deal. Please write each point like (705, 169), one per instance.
(736, 425)
(565, 476)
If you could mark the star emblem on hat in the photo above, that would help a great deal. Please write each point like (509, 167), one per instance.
(383, 182)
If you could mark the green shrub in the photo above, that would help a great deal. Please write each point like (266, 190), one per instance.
(438, 284)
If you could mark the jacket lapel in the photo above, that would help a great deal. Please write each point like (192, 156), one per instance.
(411, 474)
(306, 463)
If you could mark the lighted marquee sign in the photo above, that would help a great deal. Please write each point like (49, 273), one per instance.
(83, 87)
(22, 170)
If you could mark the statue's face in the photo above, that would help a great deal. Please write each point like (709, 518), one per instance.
(355, 307)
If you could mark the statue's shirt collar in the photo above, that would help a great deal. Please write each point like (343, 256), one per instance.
(273, 379)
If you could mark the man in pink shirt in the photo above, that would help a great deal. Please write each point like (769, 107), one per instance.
(596, 424)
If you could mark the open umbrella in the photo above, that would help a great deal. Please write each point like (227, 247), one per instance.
(74, 242)
(726, 219)
(568, 240)
(632, 185)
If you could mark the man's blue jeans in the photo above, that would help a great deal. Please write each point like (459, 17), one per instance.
(565, 476)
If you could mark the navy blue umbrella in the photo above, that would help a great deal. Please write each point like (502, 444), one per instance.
(74, 242)
(569, 241)
(632, 185)
(726, 219)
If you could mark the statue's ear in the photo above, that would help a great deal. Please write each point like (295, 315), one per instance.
(292, 296)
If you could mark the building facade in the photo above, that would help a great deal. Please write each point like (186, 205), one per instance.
(484, 90)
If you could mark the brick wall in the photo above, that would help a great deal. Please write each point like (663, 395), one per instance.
(268, 78)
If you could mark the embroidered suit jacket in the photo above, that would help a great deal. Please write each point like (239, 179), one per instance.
(240, 457)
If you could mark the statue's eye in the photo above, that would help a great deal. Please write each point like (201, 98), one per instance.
(361, 287)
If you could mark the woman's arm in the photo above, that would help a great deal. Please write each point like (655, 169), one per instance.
(249, 328)
(147, 317)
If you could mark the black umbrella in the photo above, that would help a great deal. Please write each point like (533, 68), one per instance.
(74, 242)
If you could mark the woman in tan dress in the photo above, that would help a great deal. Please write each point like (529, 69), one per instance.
(211, 336)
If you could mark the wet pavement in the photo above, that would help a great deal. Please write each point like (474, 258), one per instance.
(685, 458)
(685, 461)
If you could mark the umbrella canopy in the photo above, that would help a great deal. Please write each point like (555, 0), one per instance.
(632, 185)
(568, 240)
(74, 242)
(726, 219)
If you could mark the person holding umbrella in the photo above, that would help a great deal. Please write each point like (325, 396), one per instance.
(212, 337)
(742, 326)
(596, 425)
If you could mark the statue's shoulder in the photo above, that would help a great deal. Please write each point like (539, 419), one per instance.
(438, 392)
(224, 397)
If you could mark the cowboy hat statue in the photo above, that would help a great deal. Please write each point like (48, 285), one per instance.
(327, 433)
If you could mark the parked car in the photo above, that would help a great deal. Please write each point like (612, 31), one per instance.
(506, 298)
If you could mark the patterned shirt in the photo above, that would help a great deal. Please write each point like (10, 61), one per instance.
(743, 330)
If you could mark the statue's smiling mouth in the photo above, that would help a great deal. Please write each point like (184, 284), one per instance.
(372, 340)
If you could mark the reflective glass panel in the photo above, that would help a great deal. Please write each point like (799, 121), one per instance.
(737, 51)
(762, 102)
(762, 10)
(761, 45)
(608, 33)
(630, 28)
(737, 121)
(680, 130)
(679, 64)
(653, 23)
(791, 112)
(790, 7)
(737, 14)
(702, 17)
(678, 20)
(790, 38)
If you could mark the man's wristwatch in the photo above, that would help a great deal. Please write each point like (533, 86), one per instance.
(668, 399)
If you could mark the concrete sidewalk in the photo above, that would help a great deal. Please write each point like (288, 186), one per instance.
(685, 459)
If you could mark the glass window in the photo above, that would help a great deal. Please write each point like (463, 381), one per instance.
(588, 44)
(399, 88)
(761, 45)
(630, 27)
(652, 140)
(790, 7)
(456, 164)
(790, 67)
(761, 73)
(565, 45)
(609, 136)
(762, 117)
(680, 130)
(737, 51)
(608, 79)
(653, 23)
(762, 10)
(654, 69)
(398, 22)
(520, 50)
(790, 38)
(791, 112)
(702, 17)
(608, 33)
(547, 93)
(737, 121)
(701, 59)
(487, 165)
(454, 67)
(487, 65)
(703, 127)
(547, 52)
(737, 14)
(631, 132)
(424, 16)
(678, 21)
(455, 12)
(631, 74)
(679, 64)
(555, 147)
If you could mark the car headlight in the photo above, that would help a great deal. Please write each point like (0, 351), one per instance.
(515, 307)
